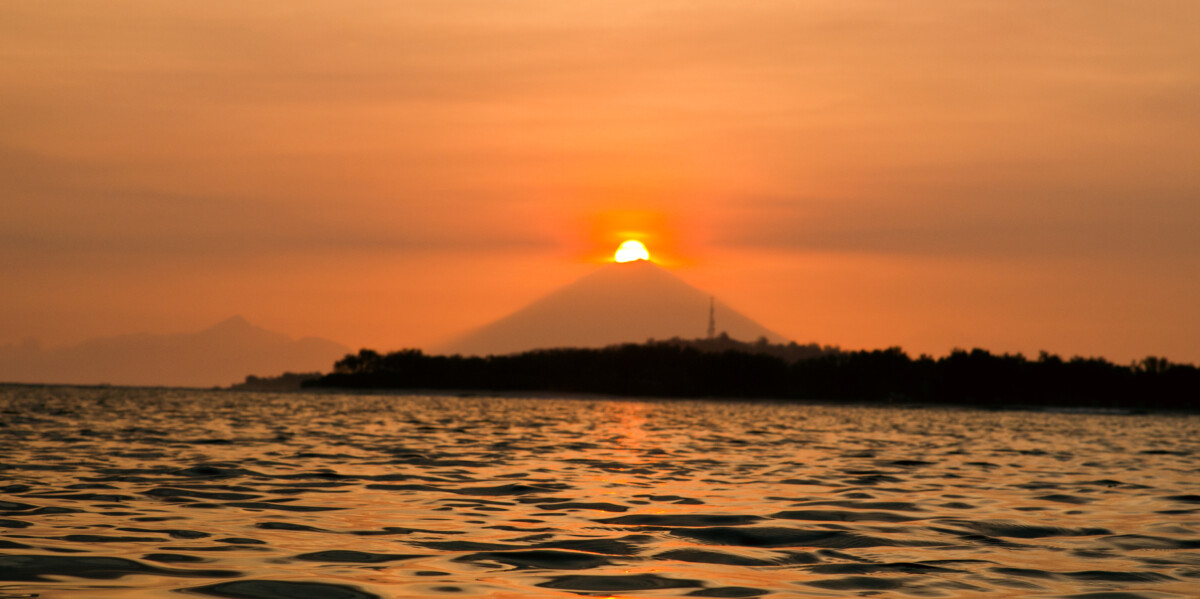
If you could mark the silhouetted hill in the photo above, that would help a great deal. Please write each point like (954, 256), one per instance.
(677, 370)
(219, 355)
(618, 303)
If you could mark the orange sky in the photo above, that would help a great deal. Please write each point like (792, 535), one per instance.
(1011, 175)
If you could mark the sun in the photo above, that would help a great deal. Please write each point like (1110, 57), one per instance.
(632, 250)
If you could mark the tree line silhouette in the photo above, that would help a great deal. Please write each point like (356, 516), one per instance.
(683, 369)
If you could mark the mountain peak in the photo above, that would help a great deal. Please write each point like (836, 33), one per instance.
(617, 303)
(233, 322)
(219, 355)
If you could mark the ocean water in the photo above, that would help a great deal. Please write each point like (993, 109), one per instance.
(128, 493)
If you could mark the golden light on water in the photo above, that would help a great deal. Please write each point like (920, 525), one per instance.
(632, 250)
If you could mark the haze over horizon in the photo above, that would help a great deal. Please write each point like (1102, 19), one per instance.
(1015, 176)
(217, 356)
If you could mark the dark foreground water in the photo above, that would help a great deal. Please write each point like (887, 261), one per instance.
(151, 493)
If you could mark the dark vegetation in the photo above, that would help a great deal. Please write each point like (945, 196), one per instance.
(692, 369)
(789, 352)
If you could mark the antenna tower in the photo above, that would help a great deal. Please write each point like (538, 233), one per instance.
(712, 318)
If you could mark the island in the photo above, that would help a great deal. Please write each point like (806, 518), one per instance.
(725, 368)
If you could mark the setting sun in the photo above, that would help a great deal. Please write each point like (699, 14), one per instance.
(632, 250)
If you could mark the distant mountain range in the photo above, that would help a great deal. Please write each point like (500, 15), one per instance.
(618, 303)
(217, 356)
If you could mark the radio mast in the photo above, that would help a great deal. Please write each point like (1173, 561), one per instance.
(712, 318)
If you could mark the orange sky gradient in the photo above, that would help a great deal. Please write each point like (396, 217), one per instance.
(1012, 175)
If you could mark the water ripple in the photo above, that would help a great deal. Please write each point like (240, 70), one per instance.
(132, 493)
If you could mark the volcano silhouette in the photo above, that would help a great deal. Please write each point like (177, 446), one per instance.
(219, 355)
(619, 303)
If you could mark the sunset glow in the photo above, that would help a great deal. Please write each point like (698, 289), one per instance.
(278, 243)
(632, 250)
(960, 175)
